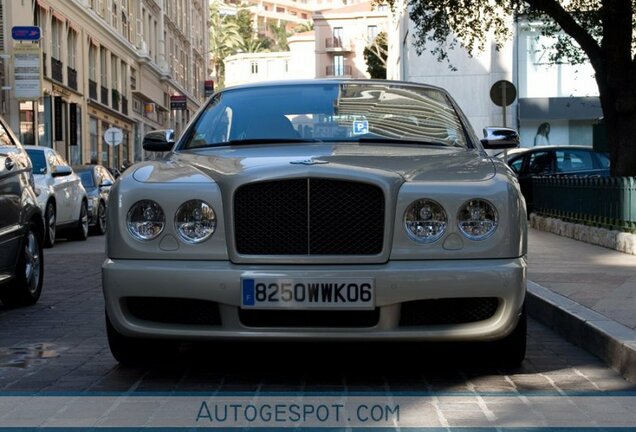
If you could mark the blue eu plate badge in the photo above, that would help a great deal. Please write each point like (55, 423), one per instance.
(248, 292)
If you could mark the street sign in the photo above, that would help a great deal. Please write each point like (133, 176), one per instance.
(503, 91)
(27, 71)
(113, 136)
(26, 33)
(178, 102)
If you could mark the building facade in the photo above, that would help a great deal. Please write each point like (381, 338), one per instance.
(555, 103)
(342, 34)
(106, 64)
(297, 63)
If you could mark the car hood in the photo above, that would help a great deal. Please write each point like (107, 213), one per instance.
(408, 162)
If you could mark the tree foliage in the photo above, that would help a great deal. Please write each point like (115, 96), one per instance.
(224, 41)
(375, 55)
(279, 35)
(598, 31)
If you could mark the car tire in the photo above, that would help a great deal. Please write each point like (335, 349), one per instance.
(138, 351)
(81, 230)
(511, 350)
(100, 221)
(50, 221)
(26, 286)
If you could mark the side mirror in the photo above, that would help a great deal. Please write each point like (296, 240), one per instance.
(61, 171)
(498, 138)
(106, 183)
(159, 140)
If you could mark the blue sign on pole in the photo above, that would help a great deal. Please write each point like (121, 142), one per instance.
(26, 33)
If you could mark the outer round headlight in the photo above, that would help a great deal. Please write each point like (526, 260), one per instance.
(477, 219)
(145, 220)
(425, 221)
(195, 221)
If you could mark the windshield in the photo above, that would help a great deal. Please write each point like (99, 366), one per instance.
(328, 112)
(87, 179)
(37, 161)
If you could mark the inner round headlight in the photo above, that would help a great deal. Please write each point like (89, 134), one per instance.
(145, 220)
(477, 219)
(425, 221)
(195, 221)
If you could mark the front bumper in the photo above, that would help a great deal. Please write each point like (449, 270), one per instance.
(396, 282)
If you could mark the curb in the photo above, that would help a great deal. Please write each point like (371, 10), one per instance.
(612, 342)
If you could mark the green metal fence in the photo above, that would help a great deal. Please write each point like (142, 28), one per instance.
(608, 202)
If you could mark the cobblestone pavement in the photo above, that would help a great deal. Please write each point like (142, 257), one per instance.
(59, 345)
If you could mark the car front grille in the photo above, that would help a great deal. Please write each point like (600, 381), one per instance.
(447, 311)
(309, 319)
(167, 310)
(309, 216)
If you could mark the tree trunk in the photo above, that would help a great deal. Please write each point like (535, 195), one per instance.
(618, 100)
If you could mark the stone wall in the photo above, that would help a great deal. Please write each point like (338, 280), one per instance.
(618, 240)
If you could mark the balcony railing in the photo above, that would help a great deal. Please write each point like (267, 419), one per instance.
(338, 44)
(608, 202)
(344, 70)
(57, 68)
(72, 78)
(104, 98)
(92, 89)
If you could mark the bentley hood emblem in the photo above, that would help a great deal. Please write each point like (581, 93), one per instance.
(308, 162)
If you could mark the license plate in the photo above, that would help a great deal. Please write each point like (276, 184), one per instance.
(325, 293)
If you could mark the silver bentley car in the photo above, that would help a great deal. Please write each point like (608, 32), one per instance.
(319, 210)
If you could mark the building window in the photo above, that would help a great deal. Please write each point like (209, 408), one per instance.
(27, 123)
(338, 65)
(103, 69)
(92, 127)
(372, 32)
(254, 66)
(56, 38)
(72, 48)
(92, 61)
(338, 33)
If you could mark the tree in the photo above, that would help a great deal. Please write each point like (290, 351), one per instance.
(600, 31)
(224, 40)
(279, 34)
(375, 55)
(243, 20)
(304, 27)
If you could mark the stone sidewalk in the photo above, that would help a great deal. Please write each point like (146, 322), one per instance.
(587, 293)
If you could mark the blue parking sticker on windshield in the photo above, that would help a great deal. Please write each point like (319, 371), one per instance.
(360, 127)
(248, 292)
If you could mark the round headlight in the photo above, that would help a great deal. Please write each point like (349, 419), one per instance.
(477, 219)
(145, 220)
(425, 220)
(195, 221)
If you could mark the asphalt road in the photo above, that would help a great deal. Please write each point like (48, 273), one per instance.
(59, 345)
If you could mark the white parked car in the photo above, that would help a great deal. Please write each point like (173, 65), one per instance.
(61, 196)
(319, 210)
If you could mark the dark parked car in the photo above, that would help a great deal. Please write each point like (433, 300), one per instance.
(566, 160)
(97, 181)
(21, 225)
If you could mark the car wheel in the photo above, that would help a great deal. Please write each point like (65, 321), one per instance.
(100, 223)
(138, 351)
(511, 350)
(50, 219)
(81, 231)
(26, 286)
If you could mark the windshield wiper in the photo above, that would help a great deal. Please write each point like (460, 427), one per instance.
(266, 141)
(399, 141)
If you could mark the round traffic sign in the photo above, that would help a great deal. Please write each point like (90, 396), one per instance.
(503, 91)
(113, 136)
